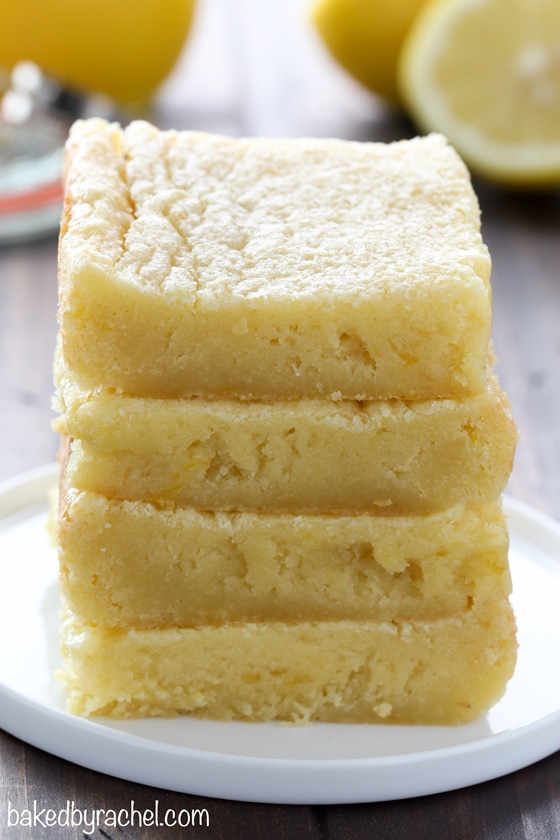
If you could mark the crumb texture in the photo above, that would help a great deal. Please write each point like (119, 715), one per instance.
(131, 564)
(384, 457)
(445, 672)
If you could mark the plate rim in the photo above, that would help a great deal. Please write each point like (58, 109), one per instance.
(280, 780)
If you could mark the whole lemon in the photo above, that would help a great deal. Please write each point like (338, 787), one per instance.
(365, 37)
(124, 49)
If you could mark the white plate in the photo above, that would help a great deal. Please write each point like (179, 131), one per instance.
(318, 764)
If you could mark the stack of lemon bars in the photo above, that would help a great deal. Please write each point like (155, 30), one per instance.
(284, 447)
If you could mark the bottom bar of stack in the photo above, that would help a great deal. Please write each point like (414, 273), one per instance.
(290, 617)
(446, 671)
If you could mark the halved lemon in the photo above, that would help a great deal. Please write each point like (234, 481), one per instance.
(486, 73)
(365, 37)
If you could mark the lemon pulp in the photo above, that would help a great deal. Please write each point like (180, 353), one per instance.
(487, 74)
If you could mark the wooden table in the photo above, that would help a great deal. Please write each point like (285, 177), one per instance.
(238, 76)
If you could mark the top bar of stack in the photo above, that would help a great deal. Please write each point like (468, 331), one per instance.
(321, 268)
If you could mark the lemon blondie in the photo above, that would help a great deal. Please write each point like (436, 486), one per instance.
(131, 564)
(444, 672)
(393, 457)
(193, 264)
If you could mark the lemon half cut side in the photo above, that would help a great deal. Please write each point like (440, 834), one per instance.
(486, 73)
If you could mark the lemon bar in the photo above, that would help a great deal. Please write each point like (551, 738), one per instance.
(131, 564)
(392, 457)
(444, 672)
(194, 264)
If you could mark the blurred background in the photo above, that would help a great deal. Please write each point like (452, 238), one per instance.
(246, 67)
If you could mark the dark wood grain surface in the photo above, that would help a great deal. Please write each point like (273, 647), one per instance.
(257, 68)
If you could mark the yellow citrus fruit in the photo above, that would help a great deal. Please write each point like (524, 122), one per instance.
(486, 73)
(124, 49)
(365, 37)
